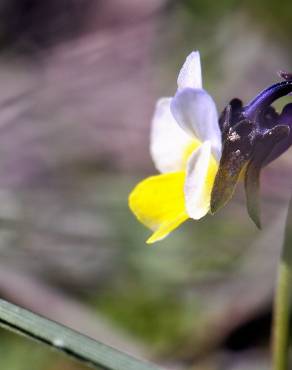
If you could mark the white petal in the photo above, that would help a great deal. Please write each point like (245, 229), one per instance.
(190, 74)
(195, 111)
(168, 142)
(201, 172)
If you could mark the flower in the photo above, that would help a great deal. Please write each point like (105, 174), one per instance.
(253, 136)
(185, 145)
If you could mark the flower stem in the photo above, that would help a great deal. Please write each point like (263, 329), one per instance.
(283, 301)
(89, 352)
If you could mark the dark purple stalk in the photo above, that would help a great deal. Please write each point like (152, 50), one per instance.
(266, 98)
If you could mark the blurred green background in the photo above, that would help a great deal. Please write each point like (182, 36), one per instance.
(79, 85)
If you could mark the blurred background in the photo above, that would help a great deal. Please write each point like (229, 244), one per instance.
(79, 81)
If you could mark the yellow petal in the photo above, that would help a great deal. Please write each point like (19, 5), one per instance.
(158, 202)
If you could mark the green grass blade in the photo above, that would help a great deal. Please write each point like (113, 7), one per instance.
(63, 339)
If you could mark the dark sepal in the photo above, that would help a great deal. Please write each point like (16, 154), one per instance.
(225, 119)
(264, 146)
(268, 119)
(237, 151)
(252, 184)
(285, 118)
(230, 115)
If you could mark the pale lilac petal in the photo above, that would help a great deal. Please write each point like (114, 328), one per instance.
(190, 74)
(195, 111)
(201, 172)
(168, 142)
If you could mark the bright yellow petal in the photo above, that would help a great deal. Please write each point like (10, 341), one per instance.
(158, 202)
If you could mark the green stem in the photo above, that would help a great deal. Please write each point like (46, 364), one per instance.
(283, 301)
(81, 348)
